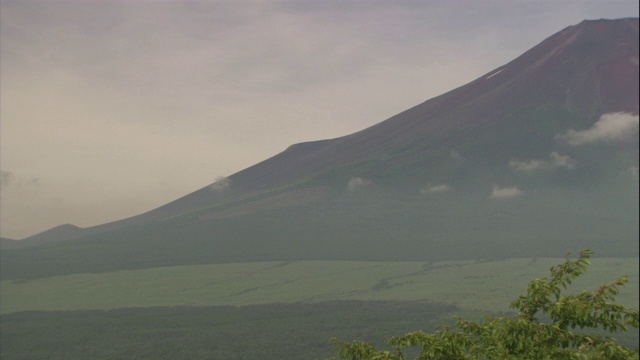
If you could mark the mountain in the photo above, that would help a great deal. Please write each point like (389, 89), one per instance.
(6, 243)
(58, 233)
(535, 158)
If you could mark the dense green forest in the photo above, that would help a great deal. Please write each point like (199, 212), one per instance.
(274, 331)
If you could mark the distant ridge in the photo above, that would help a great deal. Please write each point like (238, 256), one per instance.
(6, 243)
(58, 233)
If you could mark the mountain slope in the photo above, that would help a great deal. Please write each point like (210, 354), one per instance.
(588, 69)
(523, 161)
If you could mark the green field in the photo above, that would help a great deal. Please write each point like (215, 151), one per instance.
(471, 285)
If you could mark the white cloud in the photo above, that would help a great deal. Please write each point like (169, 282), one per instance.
(610, 127)
(456, 156)
(221, 184)
(561, 161)
(555, 161)
(357, 182)
(506, 192)
(528, 165)
(431, 189)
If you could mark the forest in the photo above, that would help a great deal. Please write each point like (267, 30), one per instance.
(272, 331)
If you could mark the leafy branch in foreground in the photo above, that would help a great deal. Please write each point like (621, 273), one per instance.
(525, 336)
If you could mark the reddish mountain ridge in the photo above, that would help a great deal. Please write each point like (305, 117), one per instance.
(590, 69)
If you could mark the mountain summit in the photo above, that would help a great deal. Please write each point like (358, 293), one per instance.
(534, 158)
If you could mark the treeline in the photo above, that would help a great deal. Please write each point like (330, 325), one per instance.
(272, 331)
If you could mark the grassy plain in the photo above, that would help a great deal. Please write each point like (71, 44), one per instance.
(471, 285)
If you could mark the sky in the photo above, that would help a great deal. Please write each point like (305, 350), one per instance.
(109, 109)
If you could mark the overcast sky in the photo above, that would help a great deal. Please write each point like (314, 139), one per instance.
(110, 109)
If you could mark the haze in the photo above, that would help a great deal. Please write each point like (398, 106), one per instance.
(110, 109)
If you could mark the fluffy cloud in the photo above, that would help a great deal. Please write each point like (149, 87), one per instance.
(456, 156)
(357, 182)
(555, 161)
(610, 127)
(561, 161)
(528, 165)
(222, 183)
(431, 189)
(505, 193)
